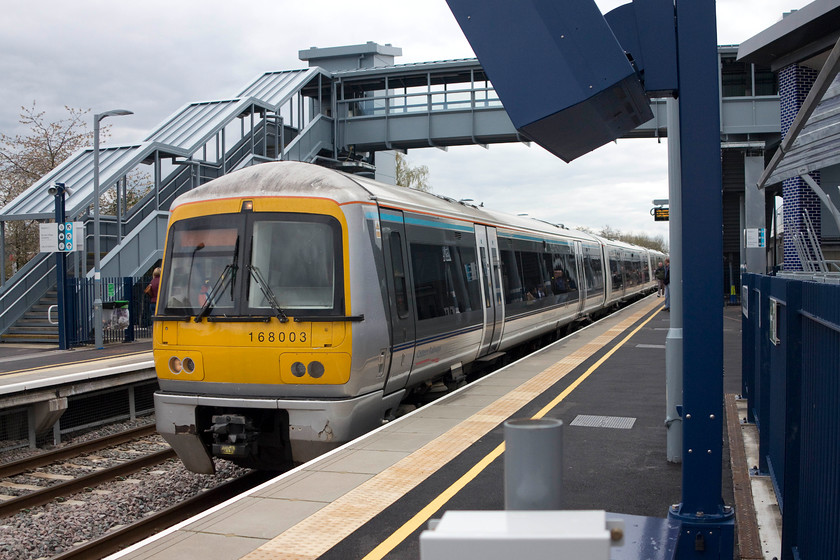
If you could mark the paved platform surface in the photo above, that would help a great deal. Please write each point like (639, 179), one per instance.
(22, 357)
(373, 497)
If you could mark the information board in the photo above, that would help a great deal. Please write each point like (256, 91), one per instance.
(660, 214)
(65, 237)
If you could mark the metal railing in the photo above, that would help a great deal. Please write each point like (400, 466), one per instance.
(791, 379)
(126, 310)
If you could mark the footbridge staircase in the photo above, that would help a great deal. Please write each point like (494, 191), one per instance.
(339, 118)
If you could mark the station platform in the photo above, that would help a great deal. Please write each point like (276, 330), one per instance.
(27, 367)
(374, 496)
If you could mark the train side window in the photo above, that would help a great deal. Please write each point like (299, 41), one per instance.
(564, 282)
(400, 289)
(465, 276)
(486, 268)
(594, 271)
(511, 276)
(615, 269)
(534, 275)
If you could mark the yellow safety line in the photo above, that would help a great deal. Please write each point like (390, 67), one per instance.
(314, 535)
(424, 514)
(19, 371)
(595, 366)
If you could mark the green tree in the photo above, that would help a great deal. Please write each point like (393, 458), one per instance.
(412, 177)
(26, 158)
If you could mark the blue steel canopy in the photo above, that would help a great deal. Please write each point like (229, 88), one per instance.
(557, 67)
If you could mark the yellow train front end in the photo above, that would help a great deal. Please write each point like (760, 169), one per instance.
(252, 341)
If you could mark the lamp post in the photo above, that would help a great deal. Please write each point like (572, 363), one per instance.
(97, 276)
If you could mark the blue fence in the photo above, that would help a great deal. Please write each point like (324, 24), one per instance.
(126, 313)
(791, 379)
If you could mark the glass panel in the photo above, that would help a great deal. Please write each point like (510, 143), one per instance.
(445, 280)
(485, 266)
(594, 271)
(400, 291)
(534, 275)
(765, 81)
(564, 275)
(297, 259)
(736, 79)
(511, 281)
(202, 265)
(615, 270)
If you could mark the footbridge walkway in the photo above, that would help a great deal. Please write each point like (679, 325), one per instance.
(336, 117)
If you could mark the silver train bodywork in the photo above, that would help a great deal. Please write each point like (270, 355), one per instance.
(439, 284)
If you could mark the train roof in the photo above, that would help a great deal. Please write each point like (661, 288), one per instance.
(289, 178)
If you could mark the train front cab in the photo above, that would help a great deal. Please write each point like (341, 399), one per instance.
(253, 339)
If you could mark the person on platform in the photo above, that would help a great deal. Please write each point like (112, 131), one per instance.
(660, 279)
(152, 291)
(667, 282)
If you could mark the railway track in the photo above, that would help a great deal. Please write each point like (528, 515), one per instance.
(118, 539)
(61, 490)
(91, 499)
(63, 453)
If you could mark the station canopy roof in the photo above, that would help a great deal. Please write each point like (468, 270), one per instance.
(808, 37)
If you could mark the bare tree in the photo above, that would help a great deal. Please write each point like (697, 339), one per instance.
(412, 177)
(138, 183)
(26, 158)
(656, 242)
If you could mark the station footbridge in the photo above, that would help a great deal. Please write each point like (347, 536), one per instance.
(350, 109)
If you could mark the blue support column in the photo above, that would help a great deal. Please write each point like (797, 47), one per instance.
(61, 269)
(707, 524)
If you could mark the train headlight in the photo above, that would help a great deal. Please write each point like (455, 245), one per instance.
(189, 365)
(316, 369)
(175, 365)
(298, 369)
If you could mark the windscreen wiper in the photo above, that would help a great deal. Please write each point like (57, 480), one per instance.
(218, 287)
(268, 293)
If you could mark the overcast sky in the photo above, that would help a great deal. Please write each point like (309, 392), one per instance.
(155, 56)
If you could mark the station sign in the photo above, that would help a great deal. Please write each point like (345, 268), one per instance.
(64, 237)
(660, 214)
(755, 238)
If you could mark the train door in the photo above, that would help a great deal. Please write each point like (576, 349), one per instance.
(498, 300)
(581, 277)
(491, 293)
(402, 312)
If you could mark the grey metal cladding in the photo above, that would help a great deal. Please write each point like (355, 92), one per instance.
(818, 144)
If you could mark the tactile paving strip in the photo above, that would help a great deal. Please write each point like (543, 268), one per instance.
(603, 422)
(315, 535)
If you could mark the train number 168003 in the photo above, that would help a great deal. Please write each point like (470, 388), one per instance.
(281, 336)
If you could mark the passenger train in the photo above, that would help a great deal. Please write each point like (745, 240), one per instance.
(300, 306)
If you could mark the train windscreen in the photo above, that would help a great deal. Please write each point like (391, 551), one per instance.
(297, 260)
(202, 266)
(253, 264)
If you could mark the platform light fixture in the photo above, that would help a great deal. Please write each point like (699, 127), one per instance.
(97, 276)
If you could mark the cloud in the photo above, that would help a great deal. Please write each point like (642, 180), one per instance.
(613, 185)
(158, 55)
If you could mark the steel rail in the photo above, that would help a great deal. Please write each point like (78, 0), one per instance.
(41, 497)
(30, 463)
(114, 541)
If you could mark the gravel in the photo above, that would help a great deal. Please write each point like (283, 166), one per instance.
(53, 529)
(11, 452)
